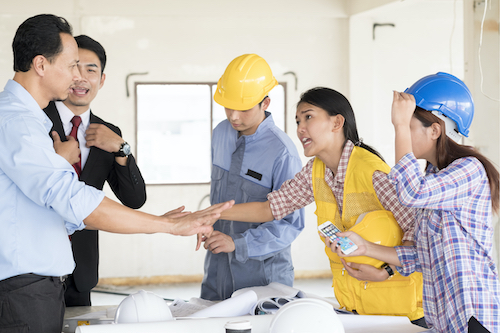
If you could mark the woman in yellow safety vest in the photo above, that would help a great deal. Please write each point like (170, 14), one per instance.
(347, 180)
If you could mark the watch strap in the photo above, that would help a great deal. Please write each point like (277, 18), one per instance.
(121, 152)
(388, 270)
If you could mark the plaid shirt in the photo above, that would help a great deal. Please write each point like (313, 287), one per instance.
(453, 237)
(298, 192)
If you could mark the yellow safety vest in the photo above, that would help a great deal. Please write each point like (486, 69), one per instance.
(399, 296)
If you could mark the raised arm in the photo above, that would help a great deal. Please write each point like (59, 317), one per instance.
(403, 106)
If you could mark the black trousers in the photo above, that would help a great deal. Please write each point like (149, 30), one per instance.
(72, 296)
(31, 303)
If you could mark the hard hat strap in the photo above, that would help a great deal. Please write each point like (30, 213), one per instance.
(450, 127)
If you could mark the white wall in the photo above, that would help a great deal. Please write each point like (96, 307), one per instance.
(183, 41)
(194, 40)
(190, 44)
(427, 37)
(482, 74)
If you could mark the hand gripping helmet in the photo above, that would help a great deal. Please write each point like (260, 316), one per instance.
(245, 83)
(448, 98)
(379, 227)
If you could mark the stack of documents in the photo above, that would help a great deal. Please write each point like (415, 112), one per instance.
(247, 301)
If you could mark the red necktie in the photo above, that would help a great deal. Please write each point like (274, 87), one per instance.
(76, 121)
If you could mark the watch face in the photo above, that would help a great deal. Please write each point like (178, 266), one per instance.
(126, 149)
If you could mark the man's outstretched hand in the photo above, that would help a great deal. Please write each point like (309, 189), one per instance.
(200, 222)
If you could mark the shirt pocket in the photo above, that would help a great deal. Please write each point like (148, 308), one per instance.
(434, 220)
(254, 192)
(216, 184)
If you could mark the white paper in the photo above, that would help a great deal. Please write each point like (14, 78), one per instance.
(234, 306)
(270, 298)
(181, 308)
(274, 289)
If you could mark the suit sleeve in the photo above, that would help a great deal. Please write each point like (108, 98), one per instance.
(127, 182)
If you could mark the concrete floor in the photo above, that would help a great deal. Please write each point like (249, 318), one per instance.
(112, 295)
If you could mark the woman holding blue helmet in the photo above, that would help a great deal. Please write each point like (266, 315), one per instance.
(454, 198)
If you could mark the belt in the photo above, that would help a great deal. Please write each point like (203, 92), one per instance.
(62, 278)
(57, 278)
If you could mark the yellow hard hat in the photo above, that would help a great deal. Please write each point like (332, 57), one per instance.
(379, 227)
(245, 83)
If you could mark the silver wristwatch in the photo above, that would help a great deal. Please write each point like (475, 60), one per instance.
(124, 150)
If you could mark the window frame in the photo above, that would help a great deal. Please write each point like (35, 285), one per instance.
(210, 85)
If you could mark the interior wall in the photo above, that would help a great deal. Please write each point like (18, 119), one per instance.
(406, 41)
(482, 74)
(428, 36)
(192, 41)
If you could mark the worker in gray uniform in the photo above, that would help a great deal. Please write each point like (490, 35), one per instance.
(251, 157)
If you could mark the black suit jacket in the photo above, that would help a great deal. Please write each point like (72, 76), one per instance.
(125, 181)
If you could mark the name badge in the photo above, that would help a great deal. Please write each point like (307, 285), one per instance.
(254, 174)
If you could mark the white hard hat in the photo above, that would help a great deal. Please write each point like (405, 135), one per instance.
(141, 307)
(306, 315)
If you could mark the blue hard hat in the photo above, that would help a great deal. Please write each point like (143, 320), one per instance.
(447, 94)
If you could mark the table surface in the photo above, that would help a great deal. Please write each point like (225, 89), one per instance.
(351, 323)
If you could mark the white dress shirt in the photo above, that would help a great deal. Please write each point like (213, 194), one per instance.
(66, 115)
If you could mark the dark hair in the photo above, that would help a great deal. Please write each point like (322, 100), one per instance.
(260, 104)
(38, 35)
(87, 43)
(335, 103)
(448, 151)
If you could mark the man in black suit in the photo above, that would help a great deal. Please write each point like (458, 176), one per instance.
(104, 156)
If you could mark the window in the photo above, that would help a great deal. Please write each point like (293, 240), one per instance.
(174, 127)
